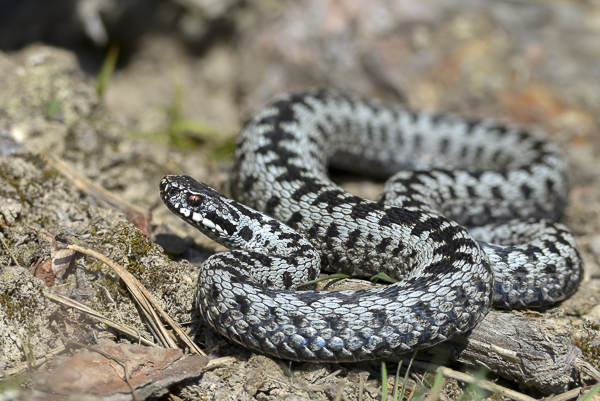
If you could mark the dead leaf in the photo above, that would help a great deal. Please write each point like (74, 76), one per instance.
(44, 272)
(52, 270)
(141, 221)
(151, 371)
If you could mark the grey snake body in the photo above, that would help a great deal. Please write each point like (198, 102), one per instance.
(469, 221)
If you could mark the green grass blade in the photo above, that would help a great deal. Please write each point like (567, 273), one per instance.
(438, 384)
(593, 391)
(405, 381)
(383, 277)
(52, 109)
(396, 381)
(196, 129)
(107, 69)
(474, 388)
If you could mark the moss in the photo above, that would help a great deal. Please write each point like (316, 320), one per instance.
(131, 237)
(50, 174)
(29, 252)
(590, 352)
(111, 282)
(20, 306)
(134, 246)
(39, 163)
(93, 265)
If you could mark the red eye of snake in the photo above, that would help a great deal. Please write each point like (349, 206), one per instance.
(194, 200)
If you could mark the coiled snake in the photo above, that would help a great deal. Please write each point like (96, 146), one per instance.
(460, 183)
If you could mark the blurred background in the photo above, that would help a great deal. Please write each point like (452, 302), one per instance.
(215, 61)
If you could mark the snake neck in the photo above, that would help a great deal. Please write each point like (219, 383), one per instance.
(228, 222)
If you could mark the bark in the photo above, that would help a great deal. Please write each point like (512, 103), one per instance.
(529, 349)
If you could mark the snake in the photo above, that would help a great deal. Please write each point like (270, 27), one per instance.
(467, 221)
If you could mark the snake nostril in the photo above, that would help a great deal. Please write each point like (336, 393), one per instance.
(172, 191)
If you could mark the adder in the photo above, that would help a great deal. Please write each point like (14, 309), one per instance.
(468, 221)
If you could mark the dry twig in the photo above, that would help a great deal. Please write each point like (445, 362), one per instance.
(12, 256)
(218, 362)
(569, 395)
(98, 316)
(484, 384)
(146, 301)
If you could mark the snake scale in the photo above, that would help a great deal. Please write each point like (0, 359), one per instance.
(467, 222)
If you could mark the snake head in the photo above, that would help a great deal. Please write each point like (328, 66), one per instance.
(199, 205)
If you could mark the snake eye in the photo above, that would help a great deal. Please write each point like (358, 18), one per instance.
(194, 200)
